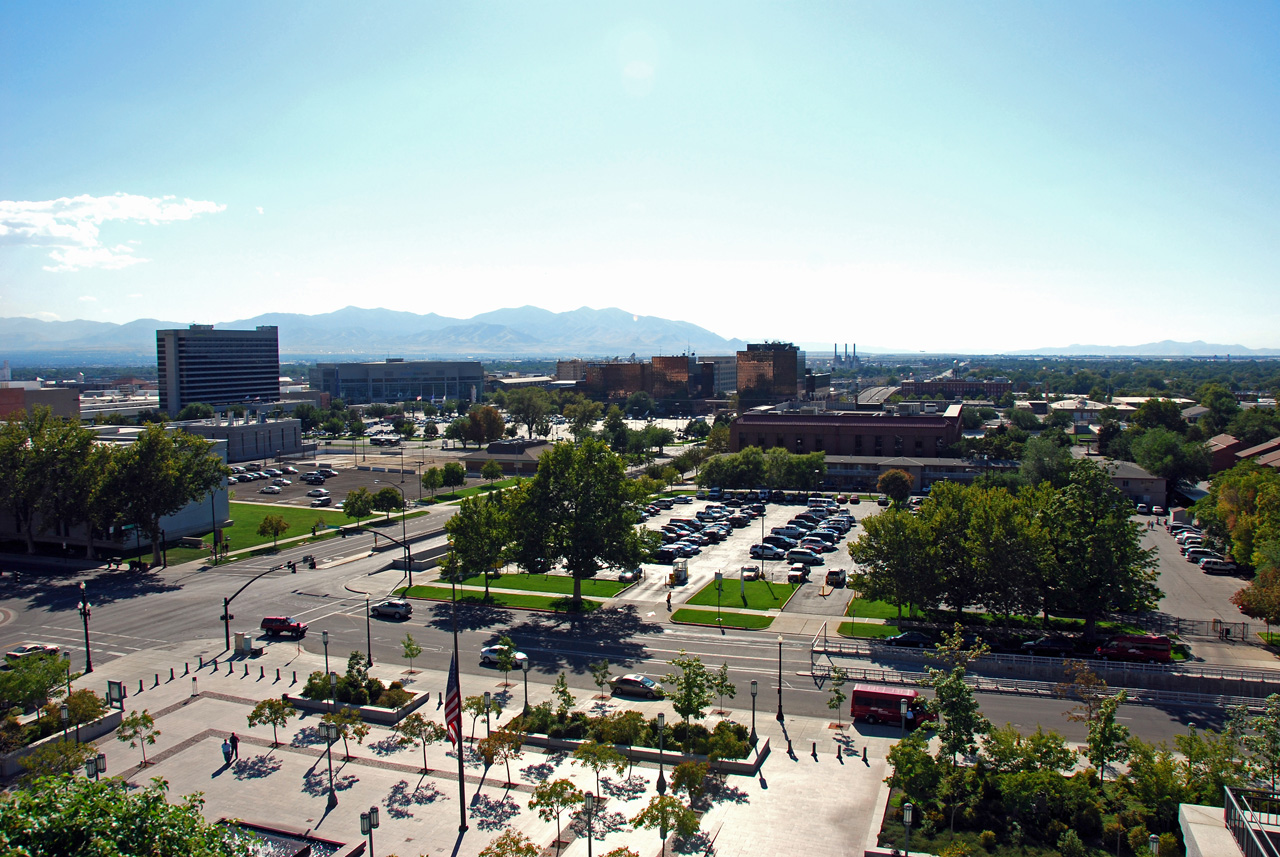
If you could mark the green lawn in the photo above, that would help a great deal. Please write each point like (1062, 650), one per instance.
(761, 595)
(498, 599)
(864, 629)
(247, 517)
(1270, 638)
(558, 583)
(875, 609)
(744, 621)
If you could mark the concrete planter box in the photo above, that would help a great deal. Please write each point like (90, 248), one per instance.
(368, 713)
(743, 767)
(11, 763)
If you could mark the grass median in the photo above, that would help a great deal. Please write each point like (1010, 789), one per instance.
(760, 595)
(866, 629)
(499, 599)
(742, 621)
(560, 584)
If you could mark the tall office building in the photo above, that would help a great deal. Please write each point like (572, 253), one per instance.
(770, 372)
(398, 380)
(217, 367)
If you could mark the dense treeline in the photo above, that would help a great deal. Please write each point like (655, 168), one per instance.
(756, 468)
(1242, 510)
(1069, 550)
(55, 477)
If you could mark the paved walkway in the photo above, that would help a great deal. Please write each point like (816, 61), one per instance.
(830, 804)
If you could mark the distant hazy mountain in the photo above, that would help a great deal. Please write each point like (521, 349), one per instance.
(1165, 348)
(355, 333)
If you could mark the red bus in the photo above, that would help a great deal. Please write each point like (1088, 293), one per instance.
(878, 703)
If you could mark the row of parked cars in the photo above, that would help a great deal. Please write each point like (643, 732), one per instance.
(686, 537)
(1137, 648)
(1195, 546)
(245, 474)
(807, 536)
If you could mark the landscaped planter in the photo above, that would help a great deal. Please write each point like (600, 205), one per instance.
(11, 763)
(368, 713)
(744, 767)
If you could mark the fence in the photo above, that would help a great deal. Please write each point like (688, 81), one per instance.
(1252, 817)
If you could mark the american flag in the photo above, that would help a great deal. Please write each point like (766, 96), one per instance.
(453, 707)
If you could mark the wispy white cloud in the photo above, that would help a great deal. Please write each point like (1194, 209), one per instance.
(260, 211)
(71, 225)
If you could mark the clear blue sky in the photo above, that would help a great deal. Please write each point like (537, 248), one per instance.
(938, 176)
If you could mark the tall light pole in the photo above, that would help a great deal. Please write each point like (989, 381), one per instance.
(330, 733)
(755, 688)
(589, 804)
(368, 631)
(524, 665)
(780, 641)
(404, 541)
(324, 638)
(86, 609)
(662, 734)
(368, 824)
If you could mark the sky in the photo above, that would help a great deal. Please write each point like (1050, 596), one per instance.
(971, 177)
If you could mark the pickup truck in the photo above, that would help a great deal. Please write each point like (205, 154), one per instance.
(283, 626)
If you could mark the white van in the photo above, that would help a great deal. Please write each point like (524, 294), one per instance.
(1197, 554)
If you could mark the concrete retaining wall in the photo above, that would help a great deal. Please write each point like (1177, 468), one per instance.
(368, 713)
(748, 767)
(11, 763)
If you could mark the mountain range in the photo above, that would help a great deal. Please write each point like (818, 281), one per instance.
(1164, 348)
(354, 333)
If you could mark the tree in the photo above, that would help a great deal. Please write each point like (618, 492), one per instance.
(1163, 413)
(896, 485)
(358, 504)
(1108, 740)
(1045, 461)
(501, 746)
(915, 772)
(506, 660)
(273, 526)
(454, 475)
(1263, 739)
(961, 721)
(600, 674)
(492, 471)
(410, 649)
(432, 480)
(274, 713)
(71, 815)
(625, 728)
(32, 681)
(1085, 686)
(195, 411)
(598, 757)
(582, 510)
(511, 843)
(387, 500)
(415, 728)
(138, 728)
(528, 406)
(459, 430)
(1007, 552)
(718, 439)
(430, 430)
(564, 699)
(55, 759)
(666, 813)
(476, 707)
(689, 777)
(838, 696)
(553, 797)
(478, 536)
(350, 725)
(1168, 455)
(891, 553)
(690, 685)
(582, 416)
(484, 424)
(721, 686)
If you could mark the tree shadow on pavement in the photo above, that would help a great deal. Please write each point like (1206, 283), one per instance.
(538, 773)
(698, 843)
(255, 767)
(471, 617)
(603, 822)
(387, 746)
(44, 590)
(307, 736)
(490, 814)
(399, 800)
(611, 631)
(316, 782)
(632, 787)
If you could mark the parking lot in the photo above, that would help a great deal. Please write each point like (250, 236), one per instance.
(1189, 593)
(730, 555)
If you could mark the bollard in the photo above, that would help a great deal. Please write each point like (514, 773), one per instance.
(246, 670)
(186, 668)
(157, 681)
(277, 673)
(139, 685)
(864, 754)
(171, 676)
(815, 749)
(262, 673)
(230, 668)
(194, 690)
(295, 677)
(838, 756)
(790, 752)
(214, 662)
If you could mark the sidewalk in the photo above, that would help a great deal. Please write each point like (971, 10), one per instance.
(828, 804)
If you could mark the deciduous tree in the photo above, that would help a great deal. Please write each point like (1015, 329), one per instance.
(553, 797)
(415, 728)
(274, 713)
(598, 757)
(273, 526)
(138, 729)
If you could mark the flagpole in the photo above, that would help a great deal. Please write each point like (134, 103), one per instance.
(462, 783)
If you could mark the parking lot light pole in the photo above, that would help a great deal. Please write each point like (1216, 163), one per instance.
(86, 609)
(324, 638)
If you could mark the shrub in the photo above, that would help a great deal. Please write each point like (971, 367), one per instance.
(1070, 845)
(987, 839)
(1138, 838)
(317, 686)
(958, 848)
(393, 697)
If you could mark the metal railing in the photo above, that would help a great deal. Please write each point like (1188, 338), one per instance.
(1252, 817)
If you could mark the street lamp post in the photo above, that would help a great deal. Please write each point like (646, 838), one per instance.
(524, 665)
(86, 609)
(589, 804)
(164, 550)
(368, 824)
(65, 710)
(1153, 844)
(330, 733)
(780, 641)
(755, 688)
(96, 765)
(907, 811)
(324, 638)
(719, 590)
(368, 631)
(333, 692)
(404, 541)
(487, 698)
(902, 718)
(662, 734)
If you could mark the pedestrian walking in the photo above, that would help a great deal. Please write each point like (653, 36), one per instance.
(668, 602)
(226, 751)
(235, 745)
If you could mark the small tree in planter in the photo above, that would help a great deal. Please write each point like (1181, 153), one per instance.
(689, 777)
(564, 699)
(599, 757)
(665, 814)
(626, 728)
(838, 696)
(274, 713)
(350, 725)
(417, 729)
(720, 684)
(474, 705)
(512, 843)
(138, 729)
(410, 650)
(600, 674)
(506, 660)
(553, 797)
(502, 746)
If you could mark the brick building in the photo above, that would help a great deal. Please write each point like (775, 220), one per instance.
(877, 434)
(949, 388)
